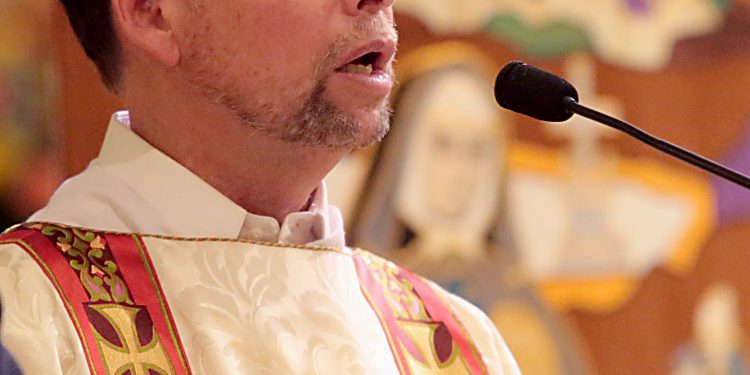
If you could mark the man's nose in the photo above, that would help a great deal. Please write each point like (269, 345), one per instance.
(355, 7)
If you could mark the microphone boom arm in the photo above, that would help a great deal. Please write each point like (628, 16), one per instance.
(694, 159)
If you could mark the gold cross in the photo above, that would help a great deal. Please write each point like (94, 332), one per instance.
(131, 356)
(422, 336)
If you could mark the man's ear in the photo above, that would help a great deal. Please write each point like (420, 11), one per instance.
(146, 25)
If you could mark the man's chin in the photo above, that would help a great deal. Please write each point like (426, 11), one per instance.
(373, 135)
(364, 139)
(372, 127)
(332, 122)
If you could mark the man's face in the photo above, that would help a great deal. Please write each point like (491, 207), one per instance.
(313, 72)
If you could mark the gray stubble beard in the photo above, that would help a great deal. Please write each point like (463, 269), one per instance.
(318, 122)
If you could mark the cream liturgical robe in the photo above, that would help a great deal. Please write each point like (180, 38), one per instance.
(137, 266)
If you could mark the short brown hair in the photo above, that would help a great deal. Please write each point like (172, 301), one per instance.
(93, 24)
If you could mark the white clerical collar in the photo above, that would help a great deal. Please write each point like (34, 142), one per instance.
(197, 208)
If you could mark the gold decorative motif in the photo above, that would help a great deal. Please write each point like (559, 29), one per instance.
(418, 337)
(87, 253)
(39, 225)
(405, 303)
(132, 356)
(422, 334)
(118, 335)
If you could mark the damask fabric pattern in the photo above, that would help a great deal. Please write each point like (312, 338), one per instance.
(239, 308)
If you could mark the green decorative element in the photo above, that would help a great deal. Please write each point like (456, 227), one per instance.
(66, 235)
(552, 40)
(723, 5)
(86, 254)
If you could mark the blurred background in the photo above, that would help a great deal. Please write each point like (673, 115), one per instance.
(592, 253)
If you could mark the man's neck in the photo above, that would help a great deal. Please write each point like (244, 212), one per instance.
(262, 174)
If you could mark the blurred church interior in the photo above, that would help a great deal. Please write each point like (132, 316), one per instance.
(592, 253)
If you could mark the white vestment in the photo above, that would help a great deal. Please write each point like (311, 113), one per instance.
(246, 295)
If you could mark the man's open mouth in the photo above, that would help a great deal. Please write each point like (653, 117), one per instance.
(366, 64)
(371, 59)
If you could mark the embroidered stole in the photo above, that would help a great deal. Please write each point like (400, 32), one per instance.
(114, 299)
(424, 335)
(112, 295)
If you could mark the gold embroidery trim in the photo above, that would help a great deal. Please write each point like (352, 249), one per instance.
(185, 239)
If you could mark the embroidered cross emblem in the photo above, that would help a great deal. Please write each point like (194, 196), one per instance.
(423, 345)
(127, 341)
(430, 351)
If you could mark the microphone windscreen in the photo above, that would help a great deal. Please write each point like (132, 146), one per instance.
(533, 92)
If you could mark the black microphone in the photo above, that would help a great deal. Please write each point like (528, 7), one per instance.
(533, 92)
(544, 96)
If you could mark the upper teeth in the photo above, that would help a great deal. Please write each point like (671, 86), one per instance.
(359, 69)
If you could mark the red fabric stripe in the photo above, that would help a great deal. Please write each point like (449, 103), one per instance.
(147, 292)
(441, 313)
(134, 266)
(437, 310)
(49, 257)
(377, 301)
